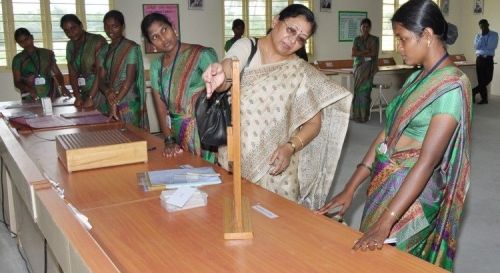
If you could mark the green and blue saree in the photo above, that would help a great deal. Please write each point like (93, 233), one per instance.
(429, 228)
(185, 87)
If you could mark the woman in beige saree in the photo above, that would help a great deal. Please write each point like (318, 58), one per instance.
(293, 118)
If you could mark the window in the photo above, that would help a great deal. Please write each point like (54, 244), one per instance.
(388, 9)
(257, 14)
(41, 18)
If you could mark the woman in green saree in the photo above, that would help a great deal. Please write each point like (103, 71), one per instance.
(32, 69)
(365, 53)
(81, 54)
(121, 73)
(176, 82)
(421, 160)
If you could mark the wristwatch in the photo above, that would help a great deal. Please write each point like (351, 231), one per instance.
(169, 140)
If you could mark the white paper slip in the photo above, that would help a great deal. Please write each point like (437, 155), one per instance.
(180, 197)
(265, 212)
(390, 240)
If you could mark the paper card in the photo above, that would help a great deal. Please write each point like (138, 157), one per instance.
(391, 241)
(265, 212)
(180, 197)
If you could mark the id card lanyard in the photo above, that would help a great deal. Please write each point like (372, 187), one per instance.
(39, 80)
(81, 78)
(415, 83)
(166, 97)
(108, 53)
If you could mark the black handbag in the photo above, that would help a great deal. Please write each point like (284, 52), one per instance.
(213, 115)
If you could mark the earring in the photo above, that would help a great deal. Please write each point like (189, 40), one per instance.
(154, 49)
(428, 42)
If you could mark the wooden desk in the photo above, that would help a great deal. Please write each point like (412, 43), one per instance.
(133, 233)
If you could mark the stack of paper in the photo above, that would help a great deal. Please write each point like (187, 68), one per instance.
(176, 178)
(183, 198)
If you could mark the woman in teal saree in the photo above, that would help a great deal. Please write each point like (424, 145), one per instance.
(365, 53)
(33, 68)
(81, 54)
(421, 160)
(176, 82)
(121, 73)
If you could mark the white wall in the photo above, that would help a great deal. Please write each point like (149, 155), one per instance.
(326, 41)
(205, 27)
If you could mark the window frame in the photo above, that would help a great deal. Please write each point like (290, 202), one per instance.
(9, 28)
(396, 4)
(268, 20)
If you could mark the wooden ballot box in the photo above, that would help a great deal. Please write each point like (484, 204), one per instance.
(97, 149)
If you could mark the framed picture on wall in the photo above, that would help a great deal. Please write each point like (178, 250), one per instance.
(171, 11)
(445, 6)
(478, 7)
(349, 22)
(325, 5)
(195, 4)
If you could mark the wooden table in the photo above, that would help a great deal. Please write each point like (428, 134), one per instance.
(133, 233)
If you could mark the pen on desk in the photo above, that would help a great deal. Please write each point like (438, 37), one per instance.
(152, 149)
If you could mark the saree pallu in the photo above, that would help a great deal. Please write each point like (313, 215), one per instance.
(186, 85)
(276, 99)
(115, 60)
(429, 228)
(364, 71)
(31, 66)
(84, 64)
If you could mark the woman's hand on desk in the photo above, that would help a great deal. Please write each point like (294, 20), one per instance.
(78, 102)
(88, 103)
(374, 238)
(342, 200)
(113, 112)
(280, 159)
(171, 150)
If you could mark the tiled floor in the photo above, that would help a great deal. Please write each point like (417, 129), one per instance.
(479, 241)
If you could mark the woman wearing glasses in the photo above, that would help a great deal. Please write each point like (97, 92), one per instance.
(293, 118)
(365, 53)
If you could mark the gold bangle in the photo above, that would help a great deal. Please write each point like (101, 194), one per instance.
(391, 212)
(301, 142)
(293, 145)
(362, 164)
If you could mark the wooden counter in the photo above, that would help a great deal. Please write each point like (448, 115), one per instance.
(133, 233)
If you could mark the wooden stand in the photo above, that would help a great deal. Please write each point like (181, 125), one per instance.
(237, 224)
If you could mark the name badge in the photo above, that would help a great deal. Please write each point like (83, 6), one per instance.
(81, 81)
(367, 59)
(39, 81)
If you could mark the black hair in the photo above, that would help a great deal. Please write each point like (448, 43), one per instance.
(70, 18)
(416, 15)
(21, 32)
(115, 14)
(149, 20)
(484, 22)
(296, 10)
(366, 21)
(237, 23)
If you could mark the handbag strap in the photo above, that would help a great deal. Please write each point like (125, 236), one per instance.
(252, 51)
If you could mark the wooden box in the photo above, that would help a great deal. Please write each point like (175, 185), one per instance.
(97, 149)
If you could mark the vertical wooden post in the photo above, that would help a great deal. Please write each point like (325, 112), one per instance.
(237, 224)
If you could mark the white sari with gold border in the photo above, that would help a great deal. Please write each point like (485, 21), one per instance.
(276, 99)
